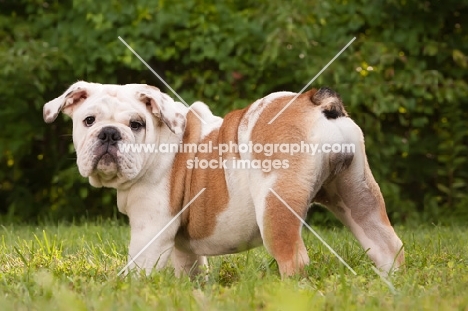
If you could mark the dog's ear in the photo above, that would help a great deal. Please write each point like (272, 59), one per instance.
(164, 107)
(74, 95)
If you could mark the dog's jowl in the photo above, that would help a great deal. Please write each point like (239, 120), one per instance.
(159, 155)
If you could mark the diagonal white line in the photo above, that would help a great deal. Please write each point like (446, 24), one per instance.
(313, 79)
(159, 77)
(160, 232)
(385, 280)
(313, 231)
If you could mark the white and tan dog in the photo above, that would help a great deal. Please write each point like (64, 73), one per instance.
(237, 210)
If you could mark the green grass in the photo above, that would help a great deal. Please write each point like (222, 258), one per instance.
(70, 267)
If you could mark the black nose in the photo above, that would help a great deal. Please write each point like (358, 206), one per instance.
(109, 134)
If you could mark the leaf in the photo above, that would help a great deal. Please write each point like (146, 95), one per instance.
(443, 188)
(459, 58)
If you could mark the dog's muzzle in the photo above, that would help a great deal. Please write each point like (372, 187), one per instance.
(106, 149)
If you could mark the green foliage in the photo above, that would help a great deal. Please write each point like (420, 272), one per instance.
(403, 81)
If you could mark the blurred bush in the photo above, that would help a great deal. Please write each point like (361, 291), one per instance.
(404, 81)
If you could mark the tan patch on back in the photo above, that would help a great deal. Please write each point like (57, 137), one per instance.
(180, 176)
(291, 127)
(294, 184)
(199, 220)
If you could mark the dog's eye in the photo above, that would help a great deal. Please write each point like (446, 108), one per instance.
(135, 125)
(88, 121)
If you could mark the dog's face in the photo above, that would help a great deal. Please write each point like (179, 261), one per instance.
(106, 117)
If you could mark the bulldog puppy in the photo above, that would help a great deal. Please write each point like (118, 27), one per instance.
(241, 194)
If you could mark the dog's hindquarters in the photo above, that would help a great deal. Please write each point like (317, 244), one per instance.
(319, 119)
(275, 193)
(355, 198)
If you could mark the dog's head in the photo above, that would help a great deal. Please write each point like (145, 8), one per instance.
(106, 118)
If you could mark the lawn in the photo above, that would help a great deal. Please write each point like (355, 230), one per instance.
(74, 267)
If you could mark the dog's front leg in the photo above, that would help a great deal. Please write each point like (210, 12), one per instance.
(185, 262)
(152, 239)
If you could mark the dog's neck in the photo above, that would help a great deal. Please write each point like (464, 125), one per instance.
(154, 176)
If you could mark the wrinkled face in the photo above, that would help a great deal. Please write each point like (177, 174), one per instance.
(104, 124)
(108, 119)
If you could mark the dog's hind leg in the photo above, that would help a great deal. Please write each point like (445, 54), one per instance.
(279, 227)
(355, 198)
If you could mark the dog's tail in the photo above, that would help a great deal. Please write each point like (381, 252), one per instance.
(330, 102)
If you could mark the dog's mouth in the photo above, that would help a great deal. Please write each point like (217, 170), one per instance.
(105, 159)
